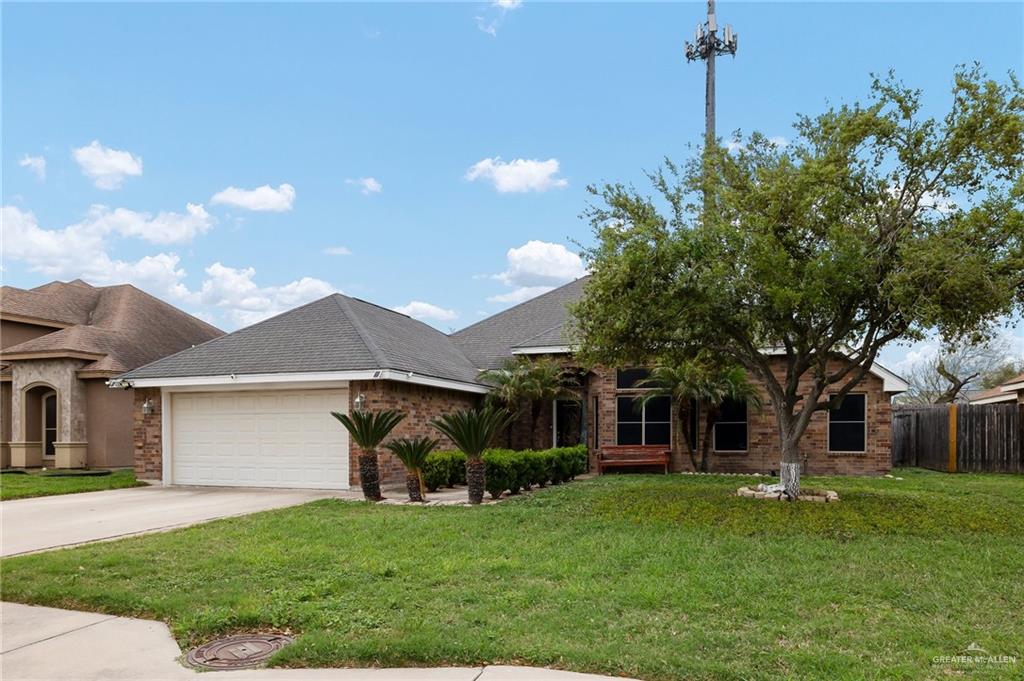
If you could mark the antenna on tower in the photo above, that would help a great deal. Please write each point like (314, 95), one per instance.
(706, 46)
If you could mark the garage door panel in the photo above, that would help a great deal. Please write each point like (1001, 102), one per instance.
(262, 439)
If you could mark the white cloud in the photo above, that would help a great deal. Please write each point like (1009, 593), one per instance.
(519, 295)
(37, 164)
(165, 228)
(79, 250)
(265, 198)
(107, 167)
(494, 17)
(519, 175)
(536, 267)
(243, 302)
(541, 263)
(337, 250)
(367, 185)
(420, 310)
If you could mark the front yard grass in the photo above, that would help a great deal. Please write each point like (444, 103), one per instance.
(23, 486)
(659, 577)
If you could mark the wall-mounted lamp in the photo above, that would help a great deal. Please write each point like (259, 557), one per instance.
(147, 407)
(359, 402)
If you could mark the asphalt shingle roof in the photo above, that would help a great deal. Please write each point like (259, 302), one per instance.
(336, 333)
(123, 326)
(539, 321)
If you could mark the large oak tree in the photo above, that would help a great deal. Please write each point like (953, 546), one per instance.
(876, 224)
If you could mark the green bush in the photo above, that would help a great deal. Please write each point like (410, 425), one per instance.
(538, 467)
(444, 468)
(509, 470)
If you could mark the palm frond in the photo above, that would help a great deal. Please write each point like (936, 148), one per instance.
(473, 430)
(412, 452)
(369, 428)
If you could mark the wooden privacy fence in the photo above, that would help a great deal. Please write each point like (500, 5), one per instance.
(971, 438)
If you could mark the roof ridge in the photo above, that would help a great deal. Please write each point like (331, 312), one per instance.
(523, 342)
(342, 302)
(518, 305)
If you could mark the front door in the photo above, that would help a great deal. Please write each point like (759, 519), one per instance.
(568, 426)
(49, 423)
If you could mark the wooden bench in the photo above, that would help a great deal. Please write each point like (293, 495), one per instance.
(632, 455)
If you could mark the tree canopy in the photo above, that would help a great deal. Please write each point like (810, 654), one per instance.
(875, 224)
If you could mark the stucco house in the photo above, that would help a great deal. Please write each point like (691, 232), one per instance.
(252, 408)
(59, 345)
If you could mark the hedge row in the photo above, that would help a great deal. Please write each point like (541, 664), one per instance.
(506, 469)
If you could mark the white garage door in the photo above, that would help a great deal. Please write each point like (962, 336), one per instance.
(273, 438)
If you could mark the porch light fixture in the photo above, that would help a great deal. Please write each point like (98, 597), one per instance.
(359, 402)
(147, 407)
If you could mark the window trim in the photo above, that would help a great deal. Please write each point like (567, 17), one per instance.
(746, 440)
(643, 422)
(828, 428)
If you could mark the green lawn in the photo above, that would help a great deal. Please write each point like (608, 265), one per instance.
(649, 576)
(19, 486)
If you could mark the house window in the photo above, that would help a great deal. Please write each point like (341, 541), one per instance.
(847, 424)
(647, 423)
(731, 427)
(49, 423)
(627, 379)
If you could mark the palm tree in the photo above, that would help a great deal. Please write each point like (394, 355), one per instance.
(537, 382)
(699, 381)
(472, 431)
(368, 429)
(413, 454)
(509, 389)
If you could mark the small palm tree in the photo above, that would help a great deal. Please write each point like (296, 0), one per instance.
(536, 382)
(472, 431)
(368, 429)
(413, 454)
(704, 382)
(509, 389)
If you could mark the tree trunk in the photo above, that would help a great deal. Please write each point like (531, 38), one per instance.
(369, 475)
(534, 416)
(475, 479)
(709, 428)
(412, 483)
(677, 456)
(789, 468)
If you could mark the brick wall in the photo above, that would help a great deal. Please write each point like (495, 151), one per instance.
(762, 453)
(420, 404)
(147, 435)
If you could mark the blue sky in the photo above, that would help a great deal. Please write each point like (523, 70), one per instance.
(385, 137)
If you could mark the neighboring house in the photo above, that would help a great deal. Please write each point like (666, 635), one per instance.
(1009, 392)
(59, 344)
(252, 408)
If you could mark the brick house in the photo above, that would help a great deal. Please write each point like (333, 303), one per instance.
(252, 408)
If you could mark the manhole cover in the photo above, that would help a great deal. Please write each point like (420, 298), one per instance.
(237, 652)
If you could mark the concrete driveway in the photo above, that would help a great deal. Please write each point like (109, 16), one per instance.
(43, 523)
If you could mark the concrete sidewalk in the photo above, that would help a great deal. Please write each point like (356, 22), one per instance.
(65, 645)
(45, 523)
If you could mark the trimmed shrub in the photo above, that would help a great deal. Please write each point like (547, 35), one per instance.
(537, 465)
(509, 470)
(445, 468)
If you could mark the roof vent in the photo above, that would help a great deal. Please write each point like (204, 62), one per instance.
(377, 374)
